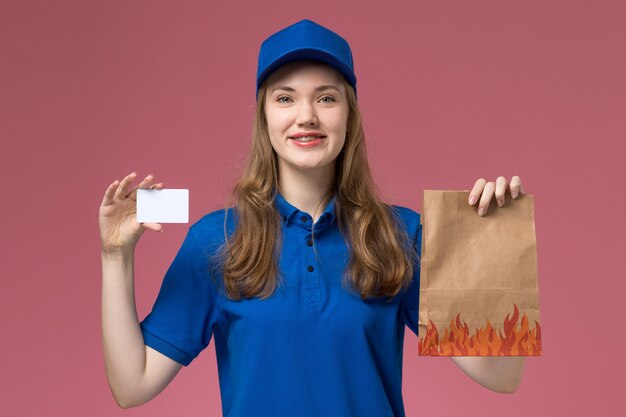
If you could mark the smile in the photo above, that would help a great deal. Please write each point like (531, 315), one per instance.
(307, 141)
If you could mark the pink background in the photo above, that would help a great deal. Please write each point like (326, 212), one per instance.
(93, 90)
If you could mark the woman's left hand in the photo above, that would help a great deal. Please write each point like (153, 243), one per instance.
(487, 189)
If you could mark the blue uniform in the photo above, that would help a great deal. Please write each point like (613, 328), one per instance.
(314, 348)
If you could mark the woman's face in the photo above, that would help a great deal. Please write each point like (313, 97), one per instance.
(306, 96)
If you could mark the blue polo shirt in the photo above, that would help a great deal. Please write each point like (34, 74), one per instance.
(314, 348)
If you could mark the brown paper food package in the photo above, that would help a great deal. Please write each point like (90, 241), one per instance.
(479, 294)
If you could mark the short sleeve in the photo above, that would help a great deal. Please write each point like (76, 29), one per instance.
(181, 322)
(410, 301)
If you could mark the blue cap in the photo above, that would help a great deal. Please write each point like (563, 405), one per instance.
(305, 40)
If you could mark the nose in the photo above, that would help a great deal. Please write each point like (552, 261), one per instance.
(306, 114)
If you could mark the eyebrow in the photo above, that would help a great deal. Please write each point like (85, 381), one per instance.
(320, 88)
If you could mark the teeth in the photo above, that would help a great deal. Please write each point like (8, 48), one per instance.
(307, 138)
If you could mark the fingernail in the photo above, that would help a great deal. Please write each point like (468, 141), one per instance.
(481, 211)
(472, 200)
(500, 203)
(514, 194)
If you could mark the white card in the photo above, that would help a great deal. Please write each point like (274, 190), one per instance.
(162, 206)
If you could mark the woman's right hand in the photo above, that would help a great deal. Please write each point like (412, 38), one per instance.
(119, 230)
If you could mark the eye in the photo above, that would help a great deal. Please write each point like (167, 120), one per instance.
(279, 98)
(331, 98)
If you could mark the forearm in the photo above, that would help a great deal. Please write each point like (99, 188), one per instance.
(497, 373)
(124, 348)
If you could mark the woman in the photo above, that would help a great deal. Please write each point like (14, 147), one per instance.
(306, 283)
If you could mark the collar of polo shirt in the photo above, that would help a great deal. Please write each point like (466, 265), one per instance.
(290, 214)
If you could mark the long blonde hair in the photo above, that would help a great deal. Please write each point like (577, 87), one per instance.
(382, 255)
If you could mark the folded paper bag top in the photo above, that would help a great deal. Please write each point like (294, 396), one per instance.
(479, 293)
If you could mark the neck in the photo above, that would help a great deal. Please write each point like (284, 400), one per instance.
(307, 190)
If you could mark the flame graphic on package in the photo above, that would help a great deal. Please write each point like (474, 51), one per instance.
(456, 340)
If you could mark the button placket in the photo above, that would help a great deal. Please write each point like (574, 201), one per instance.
(311, 271)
